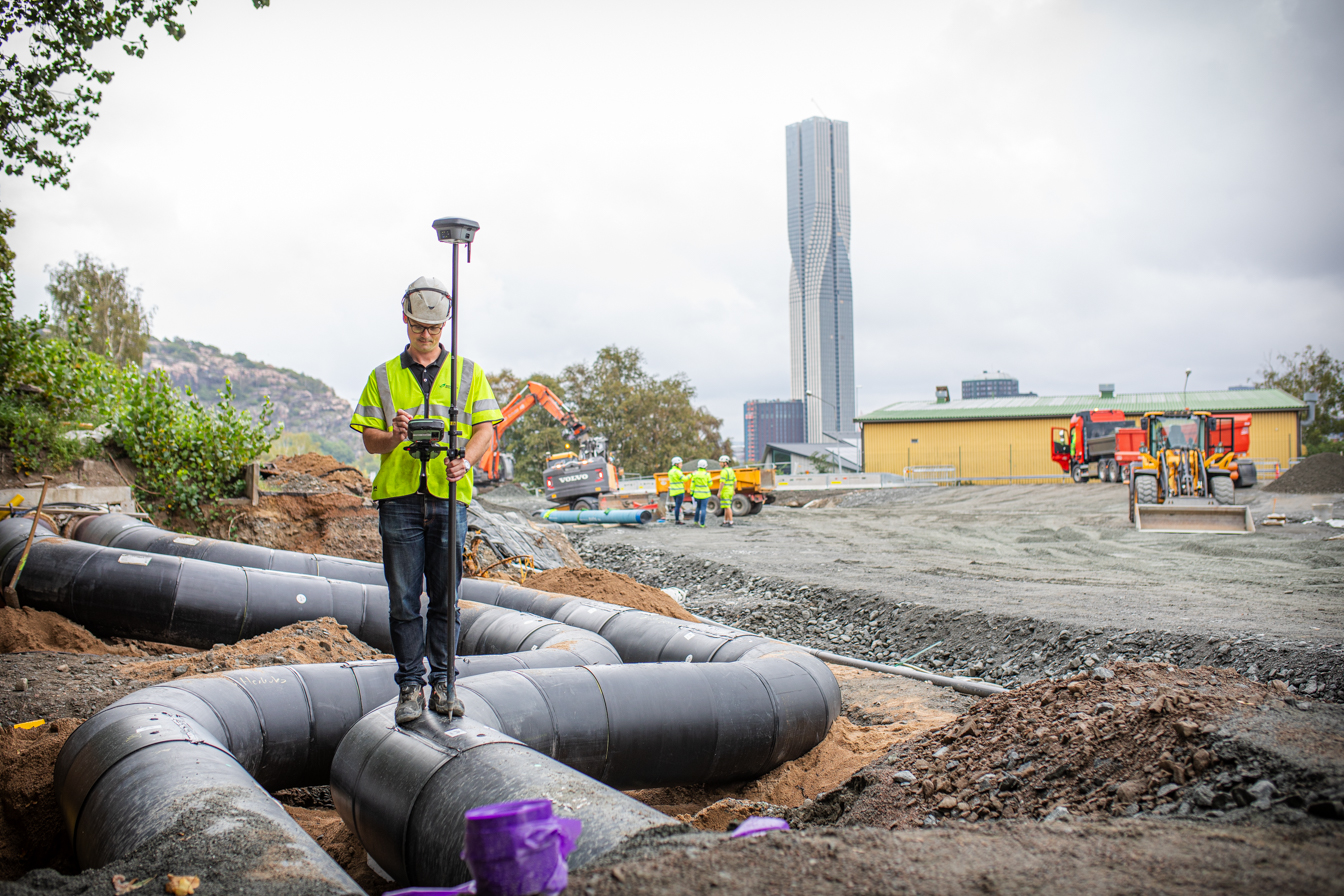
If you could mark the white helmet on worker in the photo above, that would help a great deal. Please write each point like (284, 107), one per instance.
(702, 464)
(675, 461)
(427, 302)
(723, 459)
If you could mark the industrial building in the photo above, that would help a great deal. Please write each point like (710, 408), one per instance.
(999, 440)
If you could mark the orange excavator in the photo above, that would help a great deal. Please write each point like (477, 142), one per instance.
(497, 466)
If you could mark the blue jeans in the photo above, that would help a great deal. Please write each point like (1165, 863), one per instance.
(700, 504)
(676, 505)
(414, 530)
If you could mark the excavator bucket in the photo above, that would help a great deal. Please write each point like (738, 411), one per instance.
(1176, 516)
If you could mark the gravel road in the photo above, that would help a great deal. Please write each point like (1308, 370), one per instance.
(1019, 582)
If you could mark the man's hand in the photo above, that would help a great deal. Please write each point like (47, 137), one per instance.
(379, 441)
(457, 469)
(400, 425)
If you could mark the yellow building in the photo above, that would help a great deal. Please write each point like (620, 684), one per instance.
(989, 440)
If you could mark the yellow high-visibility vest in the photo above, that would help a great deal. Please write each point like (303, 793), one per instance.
(393, 386)
(700, 482)
(676, 482)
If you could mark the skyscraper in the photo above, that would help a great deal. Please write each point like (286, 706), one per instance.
(821, 297)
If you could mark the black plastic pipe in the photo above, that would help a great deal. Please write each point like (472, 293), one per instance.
(132, 594)
(403, 791)
(196, 603)
(664, 724)
(116, 530)
(135, 767)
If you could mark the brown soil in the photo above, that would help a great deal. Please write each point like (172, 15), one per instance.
(1097, 748)
(608, 587)
(337, 523)
(325, 826)
(32, 833)
(28, 629)
(322, 472)
(1320, 474)
(322, 640)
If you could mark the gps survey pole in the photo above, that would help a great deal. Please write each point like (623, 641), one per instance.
(456, 231)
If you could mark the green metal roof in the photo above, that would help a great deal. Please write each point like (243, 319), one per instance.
(1021, 407)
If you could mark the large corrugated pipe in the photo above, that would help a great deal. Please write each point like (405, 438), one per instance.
(116, 530)
(403, 791)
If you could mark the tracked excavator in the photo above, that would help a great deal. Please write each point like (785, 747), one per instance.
(1185, 477)
(497, 465)
(576, 478)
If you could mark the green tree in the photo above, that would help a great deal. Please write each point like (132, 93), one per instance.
(93, 305)
(1311, 370)
(646, 420)
(537, 434)
(49, 90)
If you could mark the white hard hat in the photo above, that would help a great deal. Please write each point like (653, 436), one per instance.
(724, 459)
(676, 460)
(427, 301)
(703, 464)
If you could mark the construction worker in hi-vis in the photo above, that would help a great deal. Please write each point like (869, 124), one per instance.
(413, 497)
(727, 488)
(676, 489)
(700, 488)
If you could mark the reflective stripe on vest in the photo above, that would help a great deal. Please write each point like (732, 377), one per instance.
(399, 473)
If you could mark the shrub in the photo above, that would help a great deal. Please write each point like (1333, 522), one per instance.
(188, 454)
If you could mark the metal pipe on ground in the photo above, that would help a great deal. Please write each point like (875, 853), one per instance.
(116, 530)
(961, 685)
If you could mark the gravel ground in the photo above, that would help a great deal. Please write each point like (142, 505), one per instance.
(1018, 583)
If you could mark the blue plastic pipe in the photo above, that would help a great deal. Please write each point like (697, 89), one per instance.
(556, 515)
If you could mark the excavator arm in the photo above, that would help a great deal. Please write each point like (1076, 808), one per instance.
(531, 395)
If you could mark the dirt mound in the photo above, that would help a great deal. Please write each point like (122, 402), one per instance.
(32, 833)
(322, 640)
(28, 629)
(323, 467)
(1093, 746)
(1320, 474)
(337, 523)
(608, 587)
(325, 826)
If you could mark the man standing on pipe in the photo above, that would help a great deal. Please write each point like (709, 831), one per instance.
(412, 494)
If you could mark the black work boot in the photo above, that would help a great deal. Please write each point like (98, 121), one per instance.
(445, 702)
(410, 704)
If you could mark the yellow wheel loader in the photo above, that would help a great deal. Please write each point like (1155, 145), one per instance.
(1184, 481)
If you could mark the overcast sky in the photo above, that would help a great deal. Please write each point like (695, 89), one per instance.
(1072, 193)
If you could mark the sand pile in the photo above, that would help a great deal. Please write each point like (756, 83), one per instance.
(1095, 746)
(325, 826)
(608, 587)
(32, 833)
(28, 629)
(1320, 474)
(322, 640)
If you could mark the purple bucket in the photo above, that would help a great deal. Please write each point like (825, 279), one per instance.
(519, 848)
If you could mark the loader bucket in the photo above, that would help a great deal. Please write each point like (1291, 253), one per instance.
(1228, 519)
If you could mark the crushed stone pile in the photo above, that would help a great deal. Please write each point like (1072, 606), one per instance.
(1320, 474)
(1138, 739)
(609, 587)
